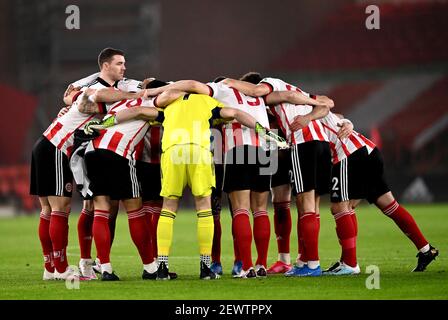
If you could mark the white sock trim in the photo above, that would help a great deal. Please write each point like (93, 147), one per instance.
(285, 257)
(313, 264)
(106, 267)
(151, 267)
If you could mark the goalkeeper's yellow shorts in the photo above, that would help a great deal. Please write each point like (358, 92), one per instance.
(187, 164)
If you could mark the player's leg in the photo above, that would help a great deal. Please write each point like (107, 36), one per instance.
(153, 209)
(103, 175)
(140, 235)
(165, 235)
(380, 194)
(114, 206)
(45, 239)
(174, 179)
(201, 179)
(51, 178)
(281, 199)
(205, 230)
(101, 236)
(85, 237)
(262, 230)
(241, 227)
(40, 168)
(305, 166)
(308, 227)
(238, 177)
(237, 260)
(149, 177)
(216, 265)
(113, 214)
(60, 211)
(260, 187)
(349, 184)
(404, 220)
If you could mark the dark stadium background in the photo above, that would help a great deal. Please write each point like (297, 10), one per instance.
(392, 82)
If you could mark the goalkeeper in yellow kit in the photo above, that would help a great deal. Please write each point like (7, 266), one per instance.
(187, 159)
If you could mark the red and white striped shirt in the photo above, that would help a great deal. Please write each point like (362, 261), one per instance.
(235, 134)
(286, 112)
(125, 139)
(369, 144)
(61, 131)
(153, 145)
(342, 148)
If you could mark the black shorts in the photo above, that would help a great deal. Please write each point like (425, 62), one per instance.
(283, 173)
(217, 190)
(150, 180)
(377, 185)
(348, 177)
(50, 171)
(112, 175)
(311, 167)
(247, 168)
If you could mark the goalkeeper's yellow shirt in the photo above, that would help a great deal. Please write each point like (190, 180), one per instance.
(188, 120)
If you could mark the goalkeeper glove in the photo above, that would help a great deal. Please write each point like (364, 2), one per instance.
(99, 125)
(88, 126)
(270, 136)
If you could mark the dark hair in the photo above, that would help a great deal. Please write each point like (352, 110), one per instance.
(155, 84)
(106, 55)
(252, 77)
(219, 79)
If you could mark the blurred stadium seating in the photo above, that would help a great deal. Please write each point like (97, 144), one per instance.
(412, 32)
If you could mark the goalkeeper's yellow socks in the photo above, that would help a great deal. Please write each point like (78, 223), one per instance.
(165, 232)
(205, 234)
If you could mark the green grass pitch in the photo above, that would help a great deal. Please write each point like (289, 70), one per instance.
(380, 243)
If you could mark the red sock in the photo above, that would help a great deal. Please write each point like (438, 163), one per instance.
(59, 237)
(85, 224)
(155, 222)
(45, 241)
(301, 244)
(101, 235)
(236, 253)
(282, 225)
(112, 222)
(243, 235)
(216, 247)
(406, 223)
(318, 220)
(152, 209)
(310, 230)
(262, 235)
(354, 221)
(347, 237)
(140, 235)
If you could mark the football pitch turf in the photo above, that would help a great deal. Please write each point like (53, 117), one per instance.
(380, 243)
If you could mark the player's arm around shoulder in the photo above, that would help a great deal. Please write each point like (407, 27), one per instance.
(167, 97)
(191, 86)
(228, 114)
(250, 89)
(298, 98)
(137, 113)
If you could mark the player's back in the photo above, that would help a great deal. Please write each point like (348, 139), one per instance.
(188, 120)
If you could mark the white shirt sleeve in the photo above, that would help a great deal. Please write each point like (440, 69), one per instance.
(130, 85)
(85, 81)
